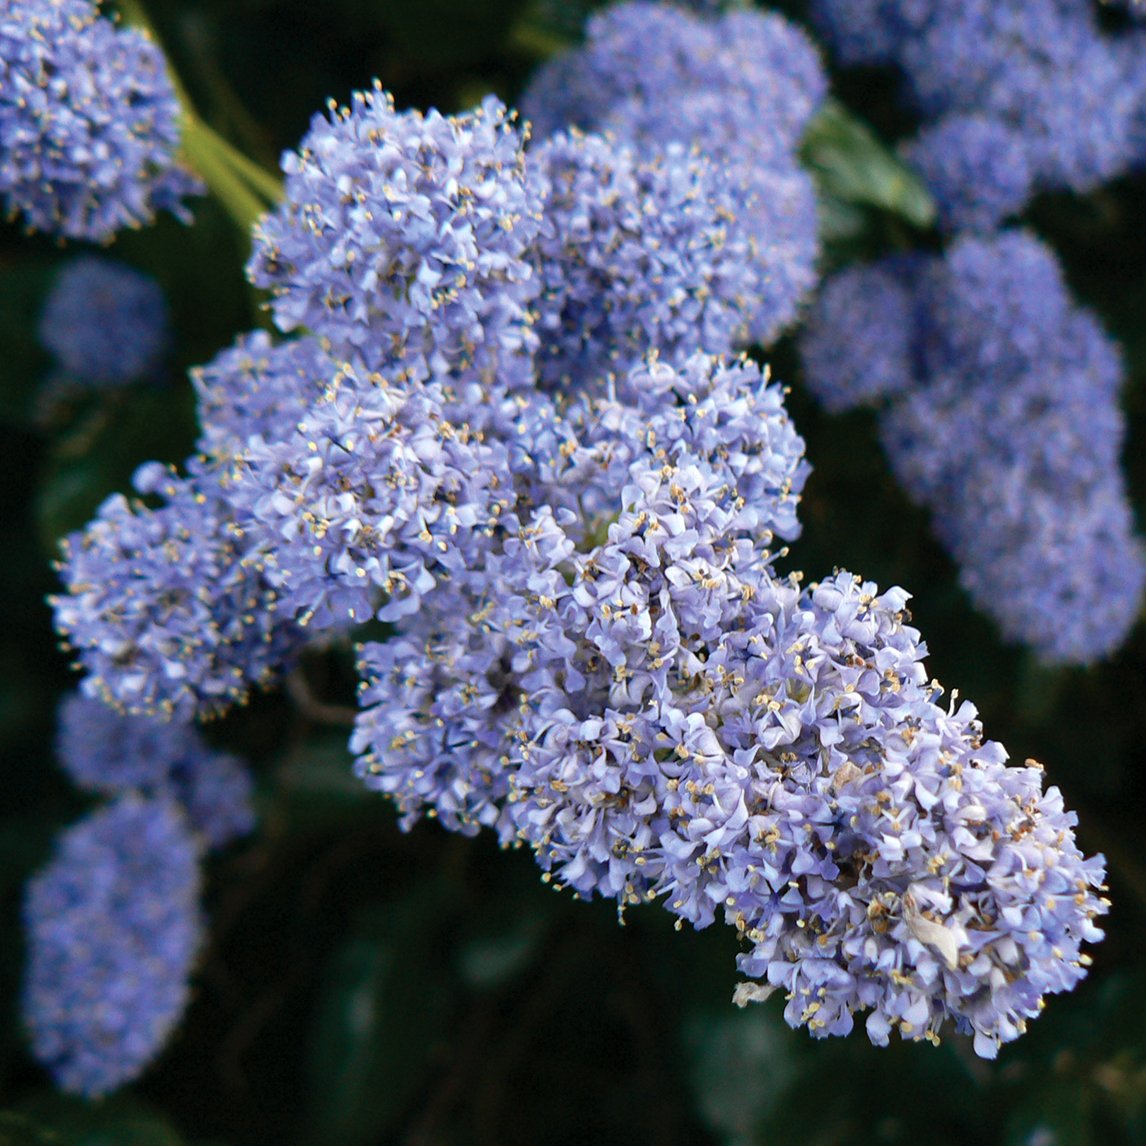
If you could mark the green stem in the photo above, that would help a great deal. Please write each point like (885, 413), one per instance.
(200, 146)
(244, 188)
(532, 40)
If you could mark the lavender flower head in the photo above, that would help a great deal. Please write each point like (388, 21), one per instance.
(168, 609)
(89, 122)
(976, 167)
(105, 752)
(105, 322)
(740, 89)
(561, 622)
(373, 497)
(257, 389)
(659, 717)
(636, 254)
(856, 344)
(746, 84)
(890, 861)
(404, 236)
(1001, 416)
(113, 928)
(1042, 70)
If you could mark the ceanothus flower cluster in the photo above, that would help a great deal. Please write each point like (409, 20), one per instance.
(739, 88)
(1017, 97)
(637, 254)
(659, 716)
(168, 608)
(105, 323)
(110, 754)
(495, 431)
(404, 236)
(113, 921)
(114, 929)
(89, 122)
(1003, 419)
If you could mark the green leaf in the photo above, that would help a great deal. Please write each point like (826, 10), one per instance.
(19, 1130)
(121, 1120)
(852, 166)
(24, 362)
(383, 1006)
(118, 433)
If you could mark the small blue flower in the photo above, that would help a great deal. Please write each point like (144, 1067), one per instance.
(1043, 72)
(636, 255)
(114, 929)
(739, 89)
(856, 345)
(976, 167)
(1001, 416)
(105, 322)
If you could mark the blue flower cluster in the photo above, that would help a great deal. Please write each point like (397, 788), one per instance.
(637, 254)
(1002, 418)
(113, 921)
(1018, 97)
(89, 122)
(501, 428)
(105, 323)
(110, 754)
(114, 929)
(168, 607)
(740, 88)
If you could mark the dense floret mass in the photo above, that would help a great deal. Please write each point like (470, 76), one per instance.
(89, 122)
(856, 344)
(661, 720)
(258, 389)
(404, 236)
(891, 861)
(113, 928)
(105, 752)
(167, 608)
(976, 168)
(105, 322)
(746, 83)
(493, 431)
(636, 255)
(373, 496)
(1004, 421)
(740, 88)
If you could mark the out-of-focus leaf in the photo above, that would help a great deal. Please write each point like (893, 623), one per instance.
(103, 451)
(383, 1005)
(121, 1120)
(318, 788)
(839, 221)
(491, 960)
(1054, 1115)
(19, 1130)
(740, 1063)
(450, 33)
(853, 166)
(547, 24)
